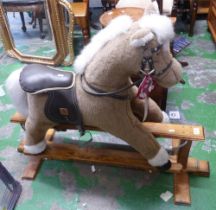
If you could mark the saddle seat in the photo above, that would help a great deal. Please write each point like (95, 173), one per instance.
(61, 105)
(36, 78)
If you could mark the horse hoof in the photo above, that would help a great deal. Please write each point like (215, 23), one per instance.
(35, 149)
(165, 167)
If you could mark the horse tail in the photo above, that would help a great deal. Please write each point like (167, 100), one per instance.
(16, 93)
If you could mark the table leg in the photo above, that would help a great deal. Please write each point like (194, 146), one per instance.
(84, 25)
(40, 21)
(23, 21)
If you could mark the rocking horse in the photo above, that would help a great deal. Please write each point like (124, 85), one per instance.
(102, 96)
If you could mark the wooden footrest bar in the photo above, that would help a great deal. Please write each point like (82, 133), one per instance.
(184, 132)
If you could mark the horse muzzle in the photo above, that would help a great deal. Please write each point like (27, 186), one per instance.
(182, 82)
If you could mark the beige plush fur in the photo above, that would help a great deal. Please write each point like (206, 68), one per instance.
(110, 69)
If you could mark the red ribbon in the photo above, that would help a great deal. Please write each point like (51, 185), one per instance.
(145, 87)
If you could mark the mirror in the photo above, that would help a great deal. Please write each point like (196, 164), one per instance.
(34, 31)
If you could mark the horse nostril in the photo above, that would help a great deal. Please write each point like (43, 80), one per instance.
(182, 81)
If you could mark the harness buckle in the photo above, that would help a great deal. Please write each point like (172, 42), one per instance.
(147, 73)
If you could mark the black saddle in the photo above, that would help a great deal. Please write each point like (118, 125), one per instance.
(61, 106)
(36, 78)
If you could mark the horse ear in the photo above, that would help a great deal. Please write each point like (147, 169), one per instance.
(152, 8)
(141, 37)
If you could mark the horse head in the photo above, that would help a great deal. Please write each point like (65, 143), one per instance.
(126, 47)
(154, 36)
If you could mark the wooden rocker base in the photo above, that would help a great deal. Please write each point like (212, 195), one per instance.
(125, 156)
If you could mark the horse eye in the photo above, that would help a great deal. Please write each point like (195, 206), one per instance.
(145, 48)
(156, 50)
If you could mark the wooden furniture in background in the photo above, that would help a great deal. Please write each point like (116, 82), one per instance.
(191, 8)
(109, 4)
(197, 7)
(21, 6)
(81, 15)
(125, 156)
(212, 19)
(134, 13)
(160, 5)
(63, 39)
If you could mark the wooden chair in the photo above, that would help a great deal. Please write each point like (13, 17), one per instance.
(193, 8)
(81, 15)
(197, 7)
(109, 4)
(35, 6)
(212, 19)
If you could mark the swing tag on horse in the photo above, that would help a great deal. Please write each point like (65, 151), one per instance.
(146, 86)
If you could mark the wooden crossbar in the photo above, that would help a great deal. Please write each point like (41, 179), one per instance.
(184, 132)
(101, 153)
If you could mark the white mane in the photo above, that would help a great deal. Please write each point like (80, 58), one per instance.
(161, 26)
(117, 26)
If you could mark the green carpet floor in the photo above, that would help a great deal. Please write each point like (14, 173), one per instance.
(67, 185)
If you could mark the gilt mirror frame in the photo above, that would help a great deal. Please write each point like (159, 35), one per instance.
(63, 39)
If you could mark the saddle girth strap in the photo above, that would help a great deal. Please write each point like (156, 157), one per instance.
(62, 107)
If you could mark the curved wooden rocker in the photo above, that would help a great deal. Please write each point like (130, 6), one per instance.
(125, 156)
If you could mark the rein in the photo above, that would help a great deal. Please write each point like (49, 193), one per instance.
(102, 93)
(148, 74)
(147, 84)
(149, 61)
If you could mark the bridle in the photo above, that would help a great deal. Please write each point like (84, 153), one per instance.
(146, 68)
(147, 64)
(101, 93)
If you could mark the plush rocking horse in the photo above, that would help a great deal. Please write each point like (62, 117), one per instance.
(101, 93)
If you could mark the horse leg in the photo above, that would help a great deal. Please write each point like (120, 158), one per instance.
(34, 136)
(154, 112)
(36, 125)
(126, 126)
